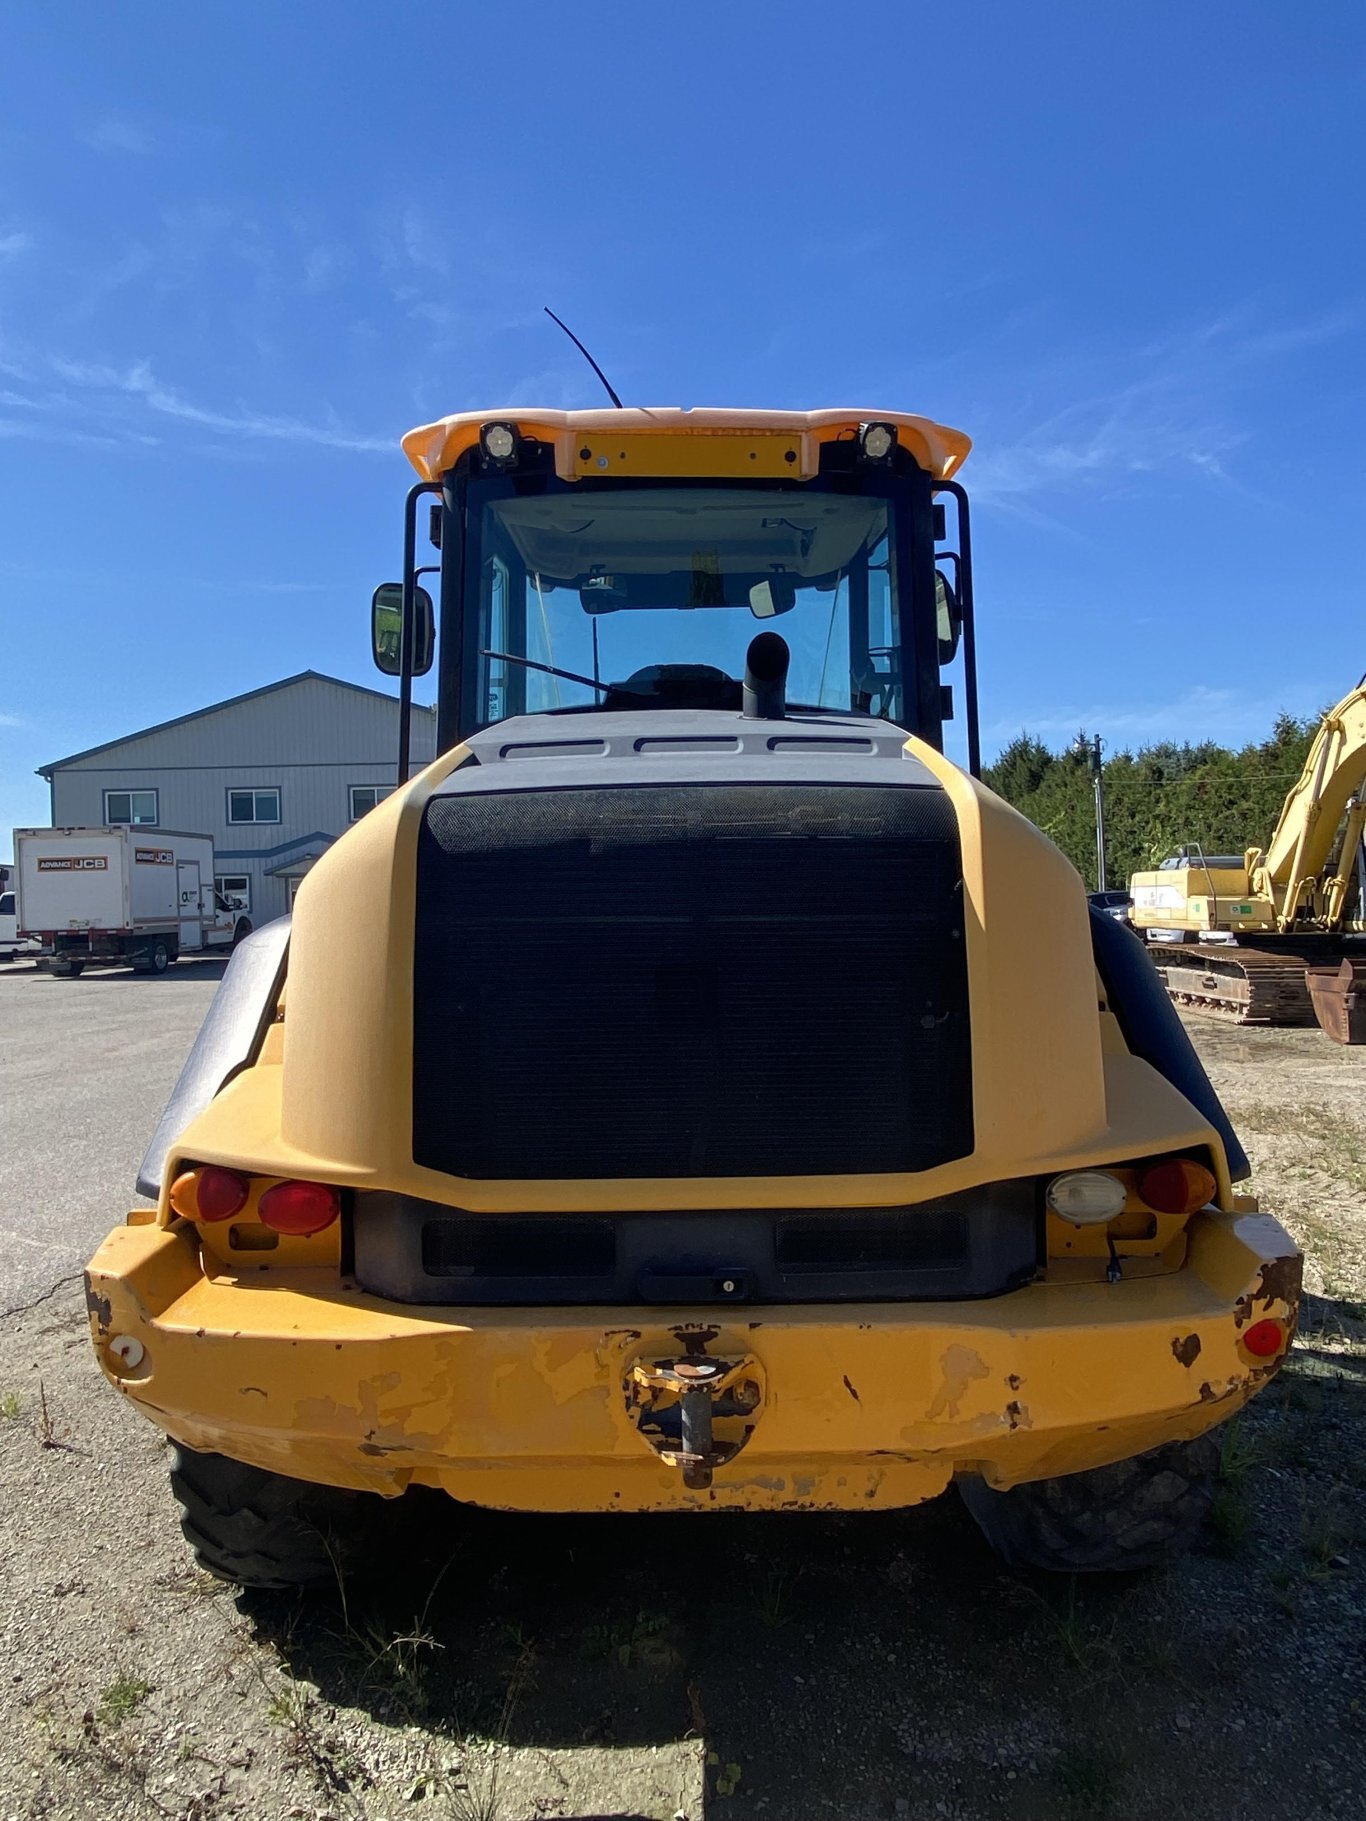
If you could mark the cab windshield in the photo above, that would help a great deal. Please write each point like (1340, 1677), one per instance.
(653, 593)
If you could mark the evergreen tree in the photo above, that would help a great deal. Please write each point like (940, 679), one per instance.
(1157, 799)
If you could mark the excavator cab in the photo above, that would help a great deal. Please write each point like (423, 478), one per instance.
(691, 1091)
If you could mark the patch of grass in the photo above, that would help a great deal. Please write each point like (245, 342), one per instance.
(1090, 1779)
(1326, 1533)
(1090, 1644)
(633, 1642)
(1337, 1147)
(10, 1405)
(1285, 1594)
(1229, 1524)
(771, 1592)
(1230, 1520)
(121, 1698)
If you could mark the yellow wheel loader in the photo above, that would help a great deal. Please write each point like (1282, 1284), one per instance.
(1276, 935)
(659, 1103)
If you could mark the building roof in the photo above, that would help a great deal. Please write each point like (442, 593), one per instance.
(250, 695)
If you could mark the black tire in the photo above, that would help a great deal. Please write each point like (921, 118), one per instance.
(158, 957)
(241, 930)
(65, 969)
(265, 1530)
(1136, 1514)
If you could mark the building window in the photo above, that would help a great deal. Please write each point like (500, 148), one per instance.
(130, 806)
(365, 796)
(236, 889)
(254, 805)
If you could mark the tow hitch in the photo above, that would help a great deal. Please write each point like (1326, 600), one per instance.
(697, 1413)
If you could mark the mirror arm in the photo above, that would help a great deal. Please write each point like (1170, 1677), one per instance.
(406, 634)
(964, 567)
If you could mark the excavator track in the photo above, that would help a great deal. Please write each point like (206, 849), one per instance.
(1243, 985)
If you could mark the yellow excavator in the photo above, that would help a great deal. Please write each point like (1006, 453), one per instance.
(1273, 937)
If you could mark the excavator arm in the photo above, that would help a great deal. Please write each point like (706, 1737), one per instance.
(1329, 790)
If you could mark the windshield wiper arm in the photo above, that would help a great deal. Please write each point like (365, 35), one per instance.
(551, 670)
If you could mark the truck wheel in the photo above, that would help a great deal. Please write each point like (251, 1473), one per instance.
(265, 1530)
(159, 957)
(62, 970)
(241, 930)
(1111, 1520)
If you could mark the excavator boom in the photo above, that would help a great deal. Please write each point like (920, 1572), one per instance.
(1294, 901)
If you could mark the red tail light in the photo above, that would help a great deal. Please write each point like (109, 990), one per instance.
(1264, 1338)
(218, 1193)
(1176, 1185)
(300, 1208)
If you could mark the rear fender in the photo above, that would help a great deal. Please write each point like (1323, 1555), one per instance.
(229, 1040)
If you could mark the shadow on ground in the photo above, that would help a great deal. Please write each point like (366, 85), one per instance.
(850, 1665)
(210, 968)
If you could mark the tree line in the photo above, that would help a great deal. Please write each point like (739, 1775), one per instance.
(1156, 799)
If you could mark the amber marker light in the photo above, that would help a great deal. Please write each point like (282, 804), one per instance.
(209, 1194)
(1176, 1185)
(300, 1208)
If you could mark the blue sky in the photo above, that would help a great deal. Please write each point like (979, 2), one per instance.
(241, 250)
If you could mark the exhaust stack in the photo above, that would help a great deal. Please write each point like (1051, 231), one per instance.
(765, 687)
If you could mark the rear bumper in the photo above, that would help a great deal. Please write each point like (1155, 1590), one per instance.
(856, 1408)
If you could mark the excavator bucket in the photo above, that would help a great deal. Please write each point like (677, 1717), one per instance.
(1339, 995)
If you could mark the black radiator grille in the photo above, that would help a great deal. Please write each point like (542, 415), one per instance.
(704, 980)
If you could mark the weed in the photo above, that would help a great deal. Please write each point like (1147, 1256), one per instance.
(10, 1405)
(122, 1697)
(1088, 1646)
(1242, 1451)
(1326, 1531)
(629, 1643)
(772, 1589)
(1285, 1593)
(1229, 1523)
(1089, 1778)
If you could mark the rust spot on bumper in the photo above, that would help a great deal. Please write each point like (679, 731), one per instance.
(1186, 1348)
(99, 1308)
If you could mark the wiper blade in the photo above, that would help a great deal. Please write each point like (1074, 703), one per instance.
(551, 670)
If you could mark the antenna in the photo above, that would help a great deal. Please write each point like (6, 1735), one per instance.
(586, 355)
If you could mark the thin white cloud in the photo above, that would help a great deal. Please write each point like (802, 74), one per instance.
(11, 245)
(69, 434)
(12, 720)
(138, 382)
(1175, 410)
(117, 133)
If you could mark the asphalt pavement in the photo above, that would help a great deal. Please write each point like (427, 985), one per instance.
(86, 1067)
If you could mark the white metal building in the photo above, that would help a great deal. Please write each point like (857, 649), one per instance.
(274, 776)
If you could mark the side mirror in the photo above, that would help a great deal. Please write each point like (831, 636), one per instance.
(776, 594)
(949, 617)
(386, 629)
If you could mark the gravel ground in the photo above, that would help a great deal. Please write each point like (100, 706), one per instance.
(508, 1669)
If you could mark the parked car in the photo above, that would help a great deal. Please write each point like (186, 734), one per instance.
(1116, 904)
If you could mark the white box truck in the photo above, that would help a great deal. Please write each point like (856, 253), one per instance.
(136, 895)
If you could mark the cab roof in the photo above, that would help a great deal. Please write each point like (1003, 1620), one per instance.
(666, 440)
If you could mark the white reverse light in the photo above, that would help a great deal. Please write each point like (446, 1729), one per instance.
(500, 442)
(1086, 1198)
(877, 441)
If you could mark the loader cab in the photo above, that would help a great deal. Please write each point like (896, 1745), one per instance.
(634, 572)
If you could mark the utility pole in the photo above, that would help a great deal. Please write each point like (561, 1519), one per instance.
(1091, 749)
